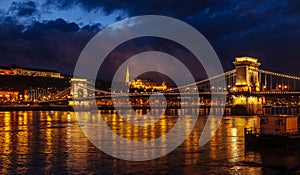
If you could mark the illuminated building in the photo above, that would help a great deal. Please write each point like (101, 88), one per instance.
(39, 93)
(5, 71)
(17, 70)
(139, 85)
(8, 96)
(38, 84)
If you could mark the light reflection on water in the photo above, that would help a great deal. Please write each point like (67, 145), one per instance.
(52, 143)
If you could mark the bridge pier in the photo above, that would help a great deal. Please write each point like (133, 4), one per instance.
(250, 105)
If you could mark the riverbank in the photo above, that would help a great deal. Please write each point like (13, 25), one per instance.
(106, 107)
(36, 108)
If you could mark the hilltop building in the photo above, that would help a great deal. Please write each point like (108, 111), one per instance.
(6, 70)
(18, 70)
(21, 84)
(138, 85)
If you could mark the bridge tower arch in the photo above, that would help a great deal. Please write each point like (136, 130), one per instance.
(79, 90)
(247, 79)
(77, 87)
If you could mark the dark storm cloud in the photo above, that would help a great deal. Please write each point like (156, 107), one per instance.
(53, 44)
(268, 30)
(234, 28)
(137, 7)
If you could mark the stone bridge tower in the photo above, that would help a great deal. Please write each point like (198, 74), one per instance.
(247, 79)
(79, 90)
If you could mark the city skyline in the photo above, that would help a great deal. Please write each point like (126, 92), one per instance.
(145, 87)
(51, 34)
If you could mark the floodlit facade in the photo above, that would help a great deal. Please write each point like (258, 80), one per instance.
(35, 72)
(5, 71)
(17, 70)
(148, 86)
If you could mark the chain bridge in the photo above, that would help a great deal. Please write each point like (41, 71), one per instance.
(248, 90)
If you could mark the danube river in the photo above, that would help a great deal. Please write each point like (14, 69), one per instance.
(53, 143)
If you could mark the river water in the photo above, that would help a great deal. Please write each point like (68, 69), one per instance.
(53, 143)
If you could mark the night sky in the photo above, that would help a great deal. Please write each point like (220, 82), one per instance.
(50, 34)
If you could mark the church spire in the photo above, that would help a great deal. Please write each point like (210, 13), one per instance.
(127, 78)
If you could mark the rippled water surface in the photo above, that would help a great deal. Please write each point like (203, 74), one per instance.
(53, 143)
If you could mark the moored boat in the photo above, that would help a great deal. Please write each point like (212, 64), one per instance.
(273, 131)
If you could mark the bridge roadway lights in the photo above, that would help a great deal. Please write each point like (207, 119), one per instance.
(78, 103)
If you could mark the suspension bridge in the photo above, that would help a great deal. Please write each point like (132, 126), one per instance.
(248, 89)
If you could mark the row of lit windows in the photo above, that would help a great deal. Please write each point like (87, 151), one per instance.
(29, 73)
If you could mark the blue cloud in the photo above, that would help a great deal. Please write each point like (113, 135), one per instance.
(23, 8)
